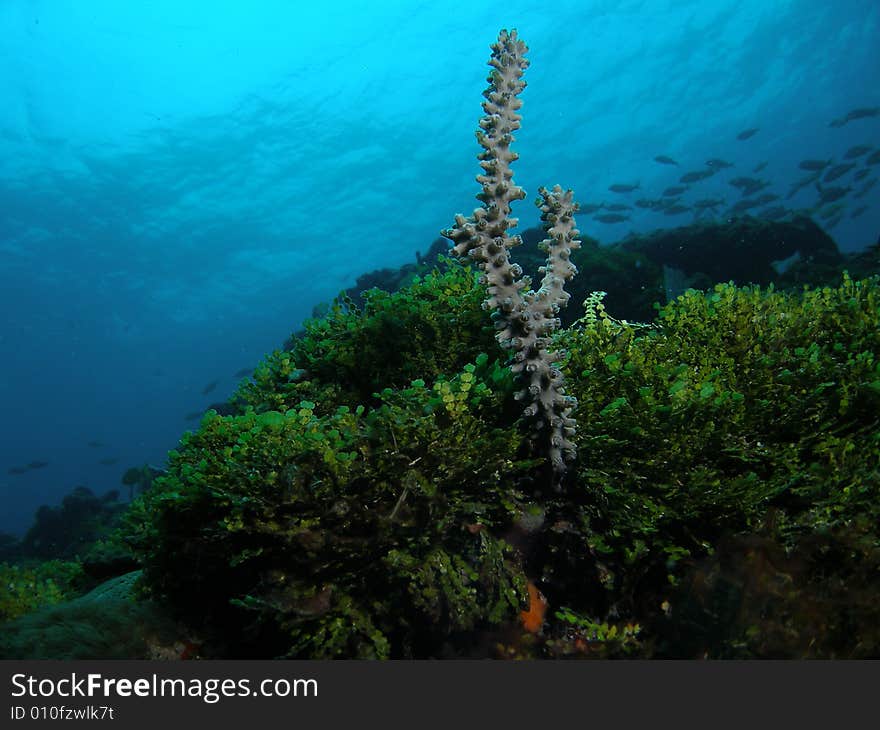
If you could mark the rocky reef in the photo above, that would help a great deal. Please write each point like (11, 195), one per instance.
(373, 490)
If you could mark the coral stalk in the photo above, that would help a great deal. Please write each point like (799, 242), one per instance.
(525, 319)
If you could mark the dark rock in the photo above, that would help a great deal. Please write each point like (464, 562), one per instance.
(742, 250)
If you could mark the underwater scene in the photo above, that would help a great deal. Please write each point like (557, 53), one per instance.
(411, 330)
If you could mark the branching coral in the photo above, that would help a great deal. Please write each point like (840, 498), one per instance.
(525, 319)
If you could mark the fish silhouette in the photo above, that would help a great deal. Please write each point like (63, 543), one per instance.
(664, 160)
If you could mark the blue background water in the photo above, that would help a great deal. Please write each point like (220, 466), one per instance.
(180, 183)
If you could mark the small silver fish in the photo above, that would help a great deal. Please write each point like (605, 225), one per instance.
(857, 151)
(696, 176)
(838, 171)
(814, 165)
(861, 113)
(830, 195)
(674, 190)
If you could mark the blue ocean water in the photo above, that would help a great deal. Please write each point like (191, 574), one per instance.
(180, 184)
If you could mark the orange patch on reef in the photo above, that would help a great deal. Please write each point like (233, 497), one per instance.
(533, 618)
